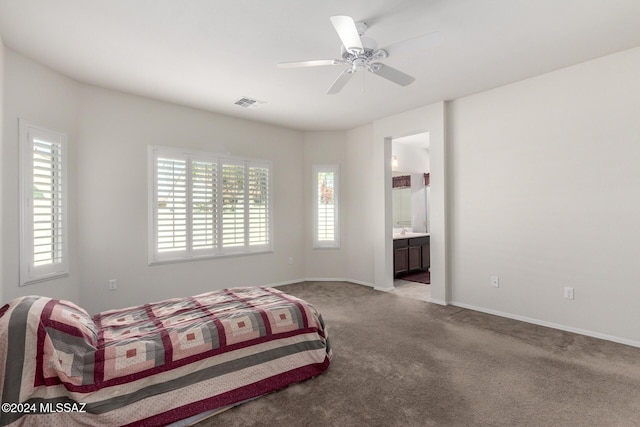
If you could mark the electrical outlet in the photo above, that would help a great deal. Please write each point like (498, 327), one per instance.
(495, 281)
(290, 260)
(113, 284)
(568, 292)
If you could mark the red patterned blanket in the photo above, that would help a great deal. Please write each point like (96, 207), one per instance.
(153, 364)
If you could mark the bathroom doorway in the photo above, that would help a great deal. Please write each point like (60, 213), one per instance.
(431, 118)
(410, 199)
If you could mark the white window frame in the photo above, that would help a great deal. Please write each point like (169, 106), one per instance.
(220, 249)
(59, 267)
(319, 243)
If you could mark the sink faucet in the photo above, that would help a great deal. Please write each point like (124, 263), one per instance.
(404, 231)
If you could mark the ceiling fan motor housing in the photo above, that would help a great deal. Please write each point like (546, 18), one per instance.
(362, 58)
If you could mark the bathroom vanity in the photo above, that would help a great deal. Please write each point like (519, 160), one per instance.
(410, 252)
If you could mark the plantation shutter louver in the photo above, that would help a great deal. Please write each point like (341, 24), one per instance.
(171, 199)
(233, 205)
(258, 205)
(204, 177)
(47, 230)
(326, 206)
(43, 237)
(325, 201)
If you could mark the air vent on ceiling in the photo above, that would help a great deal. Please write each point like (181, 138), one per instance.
(246, 102)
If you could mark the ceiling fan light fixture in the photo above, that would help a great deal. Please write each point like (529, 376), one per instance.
(360, 64)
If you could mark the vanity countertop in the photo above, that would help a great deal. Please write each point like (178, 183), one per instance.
(409, 235)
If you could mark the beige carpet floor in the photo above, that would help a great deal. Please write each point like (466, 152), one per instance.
(404, 362)
(413, 290)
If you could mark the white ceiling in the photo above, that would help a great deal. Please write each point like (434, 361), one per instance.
(209, 53)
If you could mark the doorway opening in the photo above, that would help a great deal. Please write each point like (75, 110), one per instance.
(410, 170)
(431, 118)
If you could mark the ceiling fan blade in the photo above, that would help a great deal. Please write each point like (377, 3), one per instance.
(313, 63)
(339, 83)
(422, 42)
(391, 74)
(348, 33)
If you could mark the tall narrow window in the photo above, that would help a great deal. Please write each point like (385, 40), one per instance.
(203, 205)
(326, 201)
(43, 204)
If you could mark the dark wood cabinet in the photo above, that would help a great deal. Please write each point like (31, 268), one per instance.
(401, 260)
(411, 254)
(415, 257)
(426, 256)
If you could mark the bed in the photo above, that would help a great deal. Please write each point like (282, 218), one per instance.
(154, 364)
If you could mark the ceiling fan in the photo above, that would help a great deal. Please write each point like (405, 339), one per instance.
(360, 53)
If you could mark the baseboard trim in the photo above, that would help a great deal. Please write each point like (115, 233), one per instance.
(360, 282)
(342, 279)
(329, 279)
(288, 282)
(552, 325)
(339, 279)
(326, 279)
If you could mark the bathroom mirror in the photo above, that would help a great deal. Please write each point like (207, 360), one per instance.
(402, 207)
(410, 201)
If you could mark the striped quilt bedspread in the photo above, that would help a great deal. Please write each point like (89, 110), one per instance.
(153, 364)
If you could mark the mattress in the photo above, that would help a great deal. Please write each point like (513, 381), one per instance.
(156, 363)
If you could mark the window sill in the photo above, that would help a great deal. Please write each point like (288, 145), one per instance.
(207, 257)
(46, 278)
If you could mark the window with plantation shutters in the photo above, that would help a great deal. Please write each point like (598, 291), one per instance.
(43, 206)
(203, 205)
(325, 202)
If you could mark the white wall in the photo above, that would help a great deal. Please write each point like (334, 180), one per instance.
(410, 158)
(115, 130)
(358, 203)
(545, 187)
(353, 151)
(324, 148)
(42, 96)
